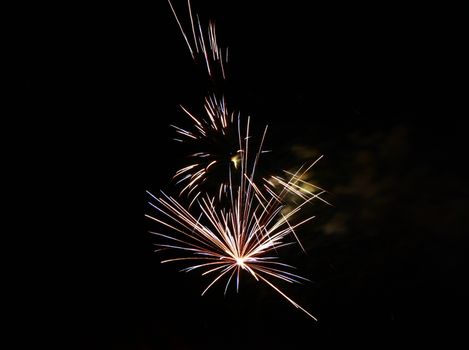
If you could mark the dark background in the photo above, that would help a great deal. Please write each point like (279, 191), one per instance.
(376, 89)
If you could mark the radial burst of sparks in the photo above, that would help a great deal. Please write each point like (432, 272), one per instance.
(245, 235)
(213, 135)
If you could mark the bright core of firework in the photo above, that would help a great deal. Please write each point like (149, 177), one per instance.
(240, 261)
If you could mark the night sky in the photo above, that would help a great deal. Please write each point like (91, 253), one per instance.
(372, 88)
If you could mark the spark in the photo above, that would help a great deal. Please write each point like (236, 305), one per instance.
(203, 43)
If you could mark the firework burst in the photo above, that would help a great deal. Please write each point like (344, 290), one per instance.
(214, 138)
(245, 235)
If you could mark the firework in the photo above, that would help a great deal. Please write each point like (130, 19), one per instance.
(244, 236)
(213, 136)
(241, 226)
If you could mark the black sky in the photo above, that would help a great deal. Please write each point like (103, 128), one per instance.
(375, 88)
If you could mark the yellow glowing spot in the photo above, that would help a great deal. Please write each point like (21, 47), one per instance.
(236, 160)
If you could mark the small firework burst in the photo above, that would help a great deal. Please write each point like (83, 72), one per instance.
(213, 137)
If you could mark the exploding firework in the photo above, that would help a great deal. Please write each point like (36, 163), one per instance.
(215, 142)
(243, 236)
